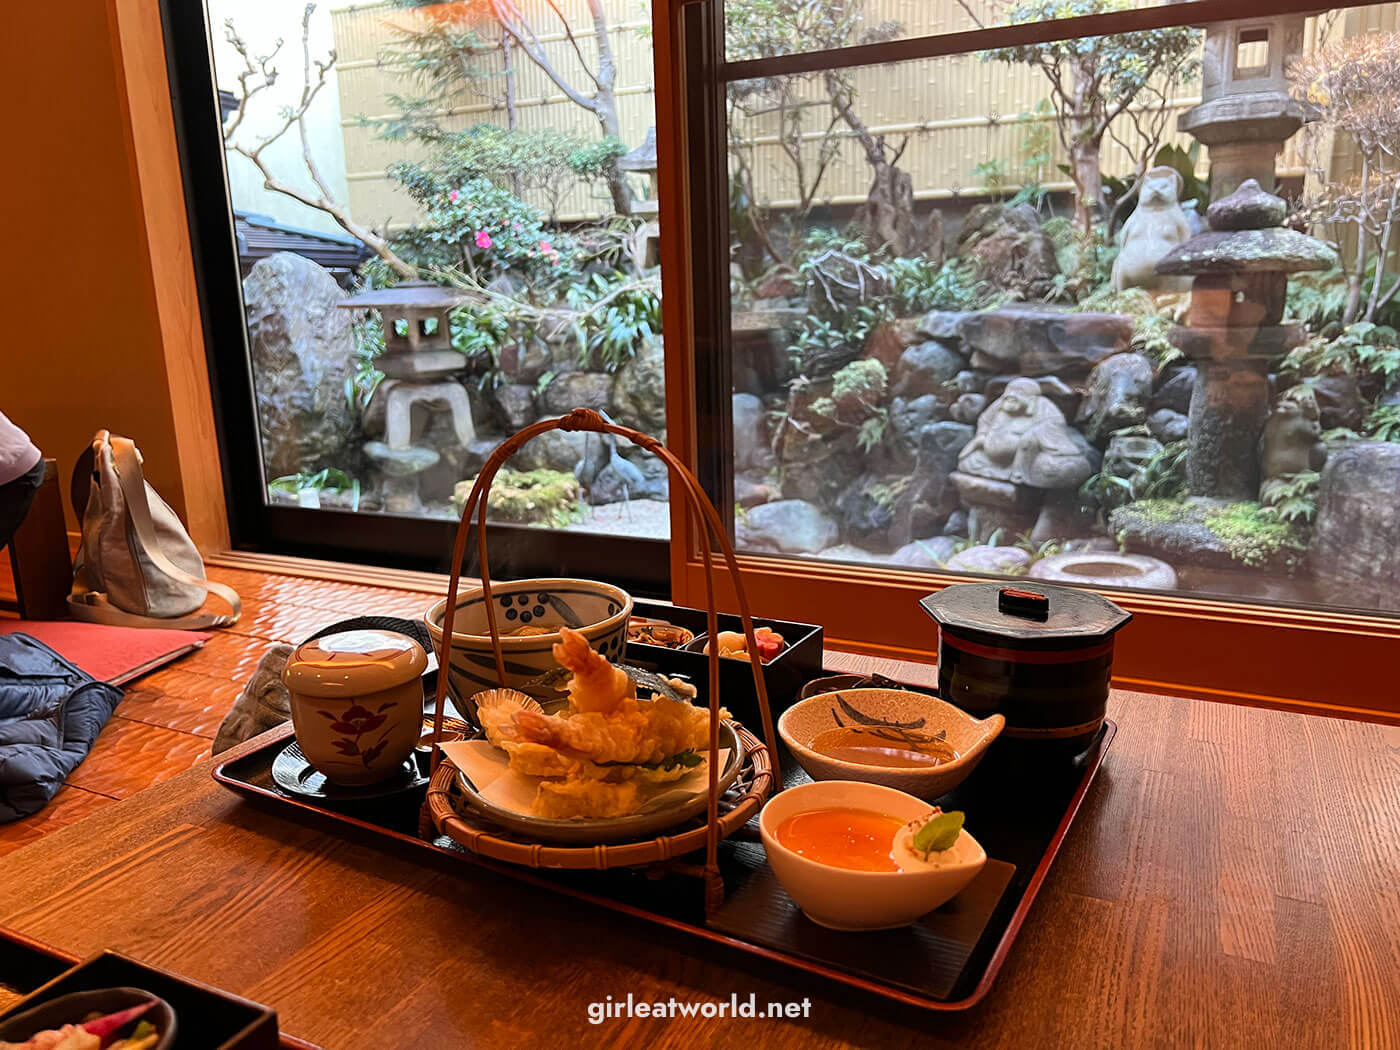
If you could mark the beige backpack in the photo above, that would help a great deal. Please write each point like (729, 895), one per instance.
(137, 566)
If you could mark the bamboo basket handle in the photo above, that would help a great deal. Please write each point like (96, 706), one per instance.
(702, 513)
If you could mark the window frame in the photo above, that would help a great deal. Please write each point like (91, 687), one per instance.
(1208, 648)
(641, 565)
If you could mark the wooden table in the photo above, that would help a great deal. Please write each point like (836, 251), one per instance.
(1233, 881)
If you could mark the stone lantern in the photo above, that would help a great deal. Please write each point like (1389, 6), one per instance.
(417, 363)
(1246, 113)
(1234, 330)
(643, 160)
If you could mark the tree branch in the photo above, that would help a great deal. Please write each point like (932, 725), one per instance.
(512, 22)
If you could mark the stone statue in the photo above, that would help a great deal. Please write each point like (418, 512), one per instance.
(1292, 439)
(1024, 439)
(1156, 226)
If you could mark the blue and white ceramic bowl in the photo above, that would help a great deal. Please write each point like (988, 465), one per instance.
(598, 611)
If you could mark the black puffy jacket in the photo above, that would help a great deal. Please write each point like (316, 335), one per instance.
(50, 714)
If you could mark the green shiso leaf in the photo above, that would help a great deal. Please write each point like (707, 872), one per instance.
(939, 833)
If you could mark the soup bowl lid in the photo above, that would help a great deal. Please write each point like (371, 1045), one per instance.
(353, 663)
(1030, 615)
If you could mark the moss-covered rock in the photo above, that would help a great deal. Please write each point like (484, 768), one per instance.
(547, 498)
(1209, 534)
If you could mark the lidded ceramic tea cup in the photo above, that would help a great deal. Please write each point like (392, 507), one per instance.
(357, 703)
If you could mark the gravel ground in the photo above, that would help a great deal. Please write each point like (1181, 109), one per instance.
(642, 517)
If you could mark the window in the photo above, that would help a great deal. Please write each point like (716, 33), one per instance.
(443, 226)
(1007, 306)
(1252, 52)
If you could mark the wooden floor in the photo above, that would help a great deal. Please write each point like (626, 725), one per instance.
(167, 720)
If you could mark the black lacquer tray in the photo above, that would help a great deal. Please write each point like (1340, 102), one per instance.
(207, 1018)
(946, 962)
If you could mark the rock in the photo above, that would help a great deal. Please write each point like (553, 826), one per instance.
(1208, 534)
(874, 511)
(1061, 515)
(1119, 389)
(996, 507)
(932, 553)
(752, 447)
(1128, 453)
(577, 390)
(789, 526)
(525, 362)
(850, 553)
(1042, 341)
(969, 382)
(1105, 569)
(994, 561)
(750, 493)
(639, 390)
(400, 463)
(817, 455)
(301, 349)
(1356, 539)
(956, 525)
(1174, 390)
(838, 283)
(1012, 252)
(1167, 426)
(968, 407)
(940, 444)
(1022, 438)
(1248, 208)
(889, 340)
(514, 405)
(477, 453)
(926, 369)
(553, 450)
(1339, 401)
(1291, 442)
(1066, 397)
(936, 456)
(907, 418)
(941, 324)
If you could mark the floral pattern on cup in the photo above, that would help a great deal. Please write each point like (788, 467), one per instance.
(353, 724)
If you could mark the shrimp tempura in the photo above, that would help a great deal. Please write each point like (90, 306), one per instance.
(597, 686)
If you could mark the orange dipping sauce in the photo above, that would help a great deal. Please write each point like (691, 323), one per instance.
(858, 839)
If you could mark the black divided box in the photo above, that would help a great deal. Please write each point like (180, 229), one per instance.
(783, 676)
(206, 1018)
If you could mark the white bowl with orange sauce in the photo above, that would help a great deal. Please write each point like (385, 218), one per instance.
(891, 711)
(846, 898)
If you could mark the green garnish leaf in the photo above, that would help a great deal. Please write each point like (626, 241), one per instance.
(688, 759)
(142, 1030)
(939, 833)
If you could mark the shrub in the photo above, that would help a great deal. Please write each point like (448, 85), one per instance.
(479, 227)
(547, 498)
(618, 316)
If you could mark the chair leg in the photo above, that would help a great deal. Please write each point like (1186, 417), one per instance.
(39, 557)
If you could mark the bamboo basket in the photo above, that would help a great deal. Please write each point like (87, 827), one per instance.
(758, 774)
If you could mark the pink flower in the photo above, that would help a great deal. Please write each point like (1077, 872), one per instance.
(546, 248)
(483, 239)
(453, 195)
